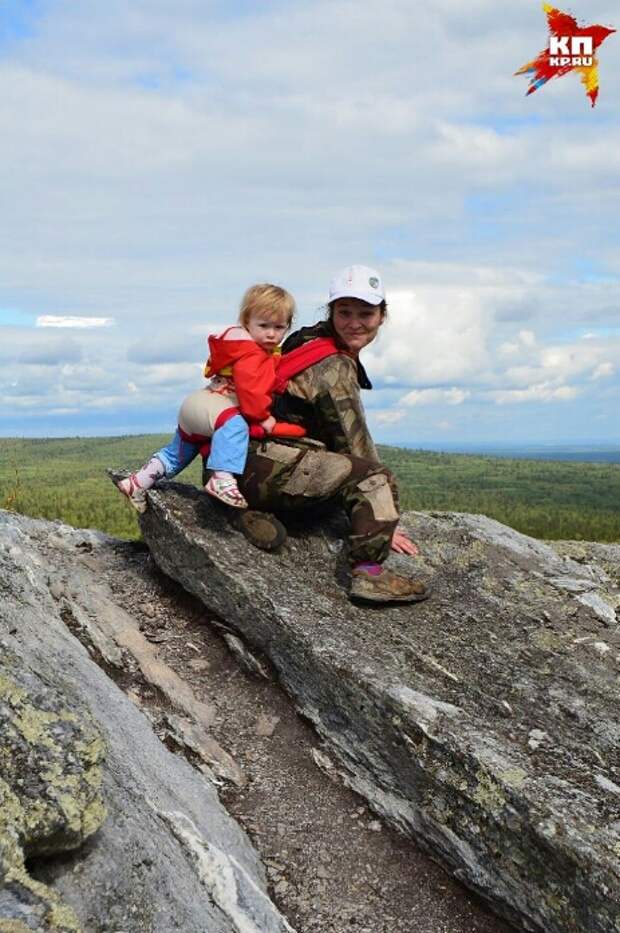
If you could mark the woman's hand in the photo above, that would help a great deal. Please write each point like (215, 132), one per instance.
(402, 543)
(268, 424)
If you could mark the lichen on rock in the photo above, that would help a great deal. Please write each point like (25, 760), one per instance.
(25, 904)
(50, 757)
(50, 793)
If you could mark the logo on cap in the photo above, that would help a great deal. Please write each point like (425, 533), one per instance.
(373, 282)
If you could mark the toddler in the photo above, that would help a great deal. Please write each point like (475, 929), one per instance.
(241, 371)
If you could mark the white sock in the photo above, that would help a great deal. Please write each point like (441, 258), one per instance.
(150, 473)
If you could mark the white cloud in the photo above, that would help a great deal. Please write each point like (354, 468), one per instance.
(29, 347)
(558, 363)
(433, 334)
(435, 396)
(543, 392)
(484, 153)
(387, 416)
(55, 320)
(165, 348)
(83, 378)
(603, 371)
(186, 377)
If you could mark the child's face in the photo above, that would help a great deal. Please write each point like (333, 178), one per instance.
(266, 333)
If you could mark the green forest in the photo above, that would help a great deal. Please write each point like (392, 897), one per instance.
(64, 478)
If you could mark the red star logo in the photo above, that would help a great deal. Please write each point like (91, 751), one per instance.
(563, 29)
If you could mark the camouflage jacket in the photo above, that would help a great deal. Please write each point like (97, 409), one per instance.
(326, 399)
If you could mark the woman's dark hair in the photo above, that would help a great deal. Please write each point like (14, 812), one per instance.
(330, 309)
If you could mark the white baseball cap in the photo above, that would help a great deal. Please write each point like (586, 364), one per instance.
(357, 282)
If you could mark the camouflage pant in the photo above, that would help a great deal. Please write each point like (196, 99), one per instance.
(290, 476)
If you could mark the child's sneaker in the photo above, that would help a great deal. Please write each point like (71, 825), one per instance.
(226, 490)
(131, 488)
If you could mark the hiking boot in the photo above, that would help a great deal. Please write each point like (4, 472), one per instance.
(386, 587)
(133, 491)
(262, 529)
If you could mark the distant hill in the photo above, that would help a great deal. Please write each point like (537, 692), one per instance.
(583, 453)
(64, 478)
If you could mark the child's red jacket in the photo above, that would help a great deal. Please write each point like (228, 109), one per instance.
(250, 369)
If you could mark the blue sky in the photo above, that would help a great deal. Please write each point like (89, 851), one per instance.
(157, 159)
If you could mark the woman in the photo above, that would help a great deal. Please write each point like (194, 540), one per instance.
(324, 396)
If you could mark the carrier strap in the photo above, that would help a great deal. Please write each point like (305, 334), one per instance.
(295, 361)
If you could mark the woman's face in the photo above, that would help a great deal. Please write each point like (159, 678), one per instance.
(356, 322)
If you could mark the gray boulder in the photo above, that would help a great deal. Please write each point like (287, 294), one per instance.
(50, 789)
(484, 722)
(167, 856)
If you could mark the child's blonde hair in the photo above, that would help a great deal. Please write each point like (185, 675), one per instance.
(269, 301)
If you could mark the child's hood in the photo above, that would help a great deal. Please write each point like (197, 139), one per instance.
(224, 352)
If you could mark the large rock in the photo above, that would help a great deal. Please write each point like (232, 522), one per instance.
(484, 722)
(50, 789)
(168, 856)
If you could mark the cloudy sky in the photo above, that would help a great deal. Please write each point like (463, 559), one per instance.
(158, 157)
